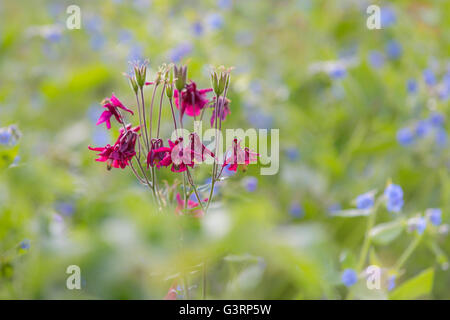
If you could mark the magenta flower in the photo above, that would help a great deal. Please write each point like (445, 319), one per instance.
(111, 106)
(196, 149)
(240, 157)
(119, 155)
(157, 153)
(192, 100)
(223, 106)
(193, 207)
(175, 155)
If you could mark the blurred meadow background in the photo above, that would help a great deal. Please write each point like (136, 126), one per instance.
(356, 109)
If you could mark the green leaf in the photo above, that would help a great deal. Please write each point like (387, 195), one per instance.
(416, 287)
(386, 232)
(351, 213)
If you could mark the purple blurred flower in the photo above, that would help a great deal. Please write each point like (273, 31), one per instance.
(296, 210)
(429, 77)
(180, 51)
(365, 201)
(388, 17)
(434, 215)
(411, 86)
(405, 136)
(349, 277)
(394, 49)
(376, 59)
(251, 183)
(394, 198)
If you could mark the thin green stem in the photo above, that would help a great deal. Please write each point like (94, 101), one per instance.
(367, 240)
(407, 253)
(204, 281)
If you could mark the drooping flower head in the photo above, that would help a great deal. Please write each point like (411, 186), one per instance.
(196, 149)
(223, 109)
(119, 155)
(192, 99)
(157, 153)
(193, 207)
(394, 197)
(174, 155)
(112, 106)
(240, 157)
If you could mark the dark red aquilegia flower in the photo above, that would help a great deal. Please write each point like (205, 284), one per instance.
(192, 100)
(157, 153)
(112, 106)
(239, 157)
(119, 155)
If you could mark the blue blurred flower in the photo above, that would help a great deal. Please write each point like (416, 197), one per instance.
(422, 128)
(376, 59)
(215, 21)
(436, 119)
(5, 136)
(180, 51)
(349, 277)
(125, 36)
(388, 17)
(225, 4)
(405, 136)
(394, 49)
(334, 208)
(100, 137)
(97, 41)
(292, 153)
(365, 201)
(25, 244)
(421, 225)
(338, 71)
(391, 282)
(65, 208)
(135, 53)
(411, 86)
(441, 137)
(429, 77)
(296, 210)
(394, 197)
(216, 185)
(251, 183)
(197, 28)
(260, 120)
(435, 216)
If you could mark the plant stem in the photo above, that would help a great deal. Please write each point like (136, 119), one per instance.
(145, 120)
(173, 114)
(204, 281)
(191, 181)
(366, 243)
(407, 253)
(151, 109)
(160, 109)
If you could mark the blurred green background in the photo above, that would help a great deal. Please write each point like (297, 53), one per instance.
(339, 93)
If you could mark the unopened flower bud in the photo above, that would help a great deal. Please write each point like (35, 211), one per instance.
(180, 74)
(220, 79)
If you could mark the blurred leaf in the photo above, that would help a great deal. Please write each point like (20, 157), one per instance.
(351, 213)
(384, 233)
(416, 287)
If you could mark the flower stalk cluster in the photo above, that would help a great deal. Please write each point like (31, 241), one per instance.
(143, 149)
